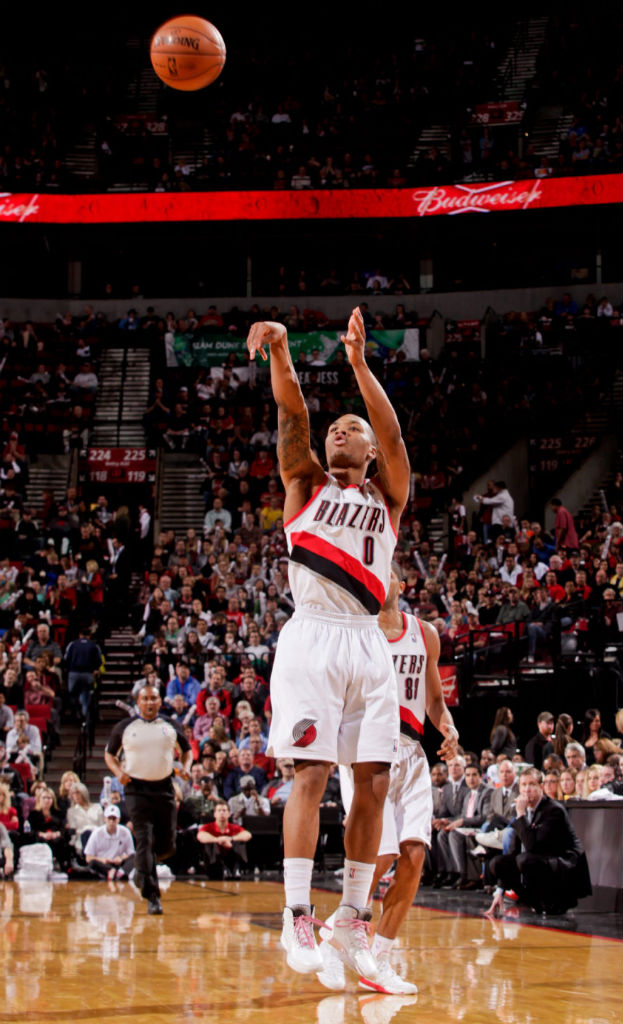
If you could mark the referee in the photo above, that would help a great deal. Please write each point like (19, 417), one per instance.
(148, 743)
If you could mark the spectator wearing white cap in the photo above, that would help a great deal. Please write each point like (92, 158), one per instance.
(109, 850)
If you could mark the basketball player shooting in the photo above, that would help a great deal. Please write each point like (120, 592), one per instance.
(332, 687)
(408, 809)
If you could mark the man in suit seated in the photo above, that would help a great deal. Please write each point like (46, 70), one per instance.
(501, 809)
(546, 866)
(458, 834)
(452, 796)
(438, 778)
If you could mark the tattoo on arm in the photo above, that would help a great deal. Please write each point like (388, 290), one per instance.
(382, 469)
(293, 445)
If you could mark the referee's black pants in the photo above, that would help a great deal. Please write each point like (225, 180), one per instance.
(152, 811)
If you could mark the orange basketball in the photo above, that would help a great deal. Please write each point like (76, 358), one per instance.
(187, 53)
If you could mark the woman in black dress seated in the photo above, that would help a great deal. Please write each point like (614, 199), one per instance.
(47, 826)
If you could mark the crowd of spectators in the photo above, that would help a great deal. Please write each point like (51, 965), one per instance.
(64, 567)
(346, 119)
(591, 92)
(483, 153)
(234, 784)
(48, 387)
(211, 603)
(474, 795)
(315, 139)
(472, 407)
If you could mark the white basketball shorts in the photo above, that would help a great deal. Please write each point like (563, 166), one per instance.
(408, 809)
(333, 691)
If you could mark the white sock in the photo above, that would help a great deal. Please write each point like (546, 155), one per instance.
(357, 881)
(382, 947)
(297, 874)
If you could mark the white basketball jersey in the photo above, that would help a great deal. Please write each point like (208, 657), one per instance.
(341, 545)
(409, 654)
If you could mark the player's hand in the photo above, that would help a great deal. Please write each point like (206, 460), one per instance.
(449, 747)
(355, 339)
(124, 778)
(267, 332)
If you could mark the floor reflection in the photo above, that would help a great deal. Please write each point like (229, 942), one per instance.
(215, 956)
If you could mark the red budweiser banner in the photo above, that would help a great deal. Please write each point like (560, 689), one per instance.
(429, 201)
(449, 685)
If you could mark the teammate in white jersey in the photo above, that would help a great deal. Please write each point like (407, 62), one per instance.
(332, 690)
(408, 811)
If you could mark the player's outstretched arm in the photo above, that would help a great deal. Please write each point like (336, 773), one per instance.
(436, 708)
(297, 462)
(393, 470)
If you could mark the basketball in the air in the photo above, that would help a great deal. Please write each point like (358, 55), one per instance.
(187, 53)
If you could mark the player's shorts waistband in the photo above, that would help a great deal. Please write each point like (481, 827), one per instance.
(338, 619)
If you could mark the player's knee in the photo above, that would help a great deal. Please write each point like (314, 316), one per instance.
(414, 852)
(377, 792)
(371, 781)
(311, 780)
(384, 863)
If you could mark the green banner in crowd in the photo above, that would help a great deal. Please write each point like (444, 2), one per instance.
(214, 349)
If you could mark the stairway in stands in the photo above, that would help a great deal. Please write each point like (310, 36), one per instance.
(608, 415)
(518, 66)
(605, 418)
(438, 136)
(180, 494)
(123, 658)
(81, 160)
(438, 533)
(516, 69)
(122, 398)
(49, 472)
(551, 126)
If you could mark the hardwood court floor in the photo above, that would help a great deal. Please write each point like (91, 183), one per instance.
(87, 952)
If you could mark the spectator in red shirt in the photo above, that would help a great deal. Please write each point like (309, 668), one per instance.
(233, 612)
(426, 609)
(224, 853)
(214, 689)
(555, 591)
(262, 465)
(564, 527)
(8, 814)
(212, 318)
(260, 759)
(37, 691)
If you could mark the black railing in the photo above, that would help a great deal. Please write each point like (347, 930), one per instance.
(81, 752)
(490, 653)
(86, 735)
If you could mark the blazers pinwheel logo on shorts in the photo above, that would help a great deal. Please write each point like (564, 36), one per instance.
(304, 732)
